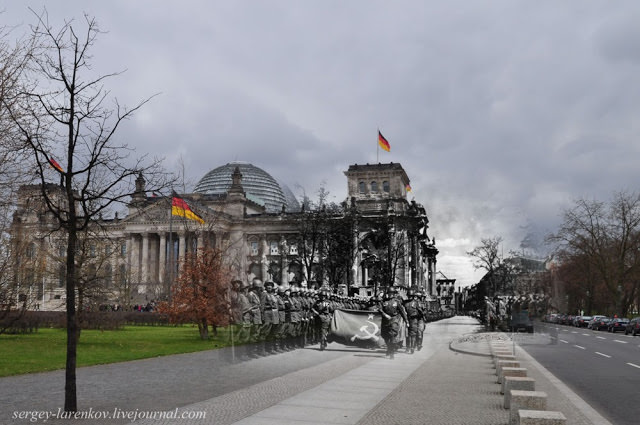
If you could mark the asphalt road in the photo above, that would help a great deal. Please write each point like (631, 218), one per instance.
(603, 368)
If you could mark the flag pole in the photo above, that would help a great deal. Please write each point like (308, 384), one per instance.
(378, 148)
(171, 267)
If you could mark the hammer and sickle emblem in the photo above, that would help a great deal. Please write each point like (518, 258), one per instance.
(365, 330)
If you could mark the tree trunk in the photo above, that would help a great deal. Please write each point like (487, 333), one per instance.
(70, 393)
(203, 327)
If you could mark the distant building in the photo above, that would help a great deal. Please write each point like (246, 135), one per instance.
(253, 217)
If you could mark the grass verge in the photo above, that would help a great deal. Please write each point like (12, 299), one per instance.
(45, 350)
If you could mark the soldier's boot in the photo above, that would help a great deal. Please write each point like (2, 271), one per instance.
(263, 348)
(419, 343)
(392, 350)
(412, 344)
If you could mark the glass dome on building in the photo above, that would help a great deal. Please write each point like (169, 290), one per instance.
(258, 185)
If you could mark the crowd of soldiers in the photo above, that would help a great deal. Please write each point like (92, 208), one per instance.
(497, 311)
(269, 319)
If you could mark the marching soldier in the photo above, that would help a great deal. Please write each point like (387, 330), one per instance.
(422, 320)
(295, 312)
(270, 316)
(280, 330)
(392, 311)
(414, 314)
(255, 314)
(323, 311)
(241, 311)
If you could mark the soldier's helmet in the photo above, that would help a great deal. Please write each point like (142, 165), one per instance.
(411, 292)
(258, 284)
(392, 290)
(294, 289)
(269, 284)
(280, 290)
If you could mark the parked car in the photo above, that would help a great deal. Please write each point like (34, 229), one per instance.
(633, 327)
(617, 324)
(582, 321)
(602, 324)
(594, 321)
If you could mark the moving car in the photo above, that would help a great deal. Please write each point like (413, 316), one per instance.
(521, 322)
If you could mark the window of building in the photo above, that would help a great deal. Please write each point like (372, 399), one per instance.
(293, 249)
(31, 251)
(362, 187)
(274, 250)
(254, 248)
(123, 249)
(92, 250)
(107, 250)
(385, 186)
(374, 187)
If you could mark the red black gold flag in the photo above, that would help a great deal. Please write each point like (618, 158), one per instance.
(384, 144)
(55, 165)
(180, 208)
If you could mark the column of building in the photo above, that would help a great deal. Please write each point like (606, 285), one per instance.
(264, 261)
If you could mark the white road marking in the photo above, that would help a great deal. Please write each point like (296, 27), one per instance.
(634, 365)
(621, 342)
(603, 355)
(601, 337)
(580, 347)
(562, 340)
(586, 334)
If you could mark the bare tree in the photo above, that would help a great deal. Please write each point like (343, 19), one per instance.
(61, 114)
(487, 257)
(602, 240)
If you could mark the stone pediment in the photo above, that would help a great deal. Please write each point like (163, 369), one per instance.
(157, 212)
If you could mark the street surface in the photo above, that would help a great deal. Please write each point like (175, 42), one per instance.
(603, 368)
(346, 384)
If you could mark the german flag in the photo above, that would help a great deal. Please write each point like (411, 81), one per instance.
(55, 165)
(408, 187)
(384, 144)
(180, 208)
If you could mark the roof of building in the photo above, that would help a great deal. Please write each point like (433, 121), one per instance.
(259, 186)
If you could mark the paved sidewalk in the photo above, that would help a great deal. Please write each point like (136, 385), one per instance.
(451, 381)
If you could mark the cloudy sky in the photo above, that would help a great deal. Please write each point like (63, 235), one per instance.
(501, 112)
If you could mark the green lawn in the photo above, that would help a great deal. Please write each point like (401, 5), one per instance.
(46, 349)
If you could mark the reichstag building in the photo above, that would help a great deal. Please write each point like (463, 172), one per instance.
(262, 228)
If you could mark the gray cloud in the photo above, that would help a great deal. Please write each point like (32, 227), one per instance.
(501, 111)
